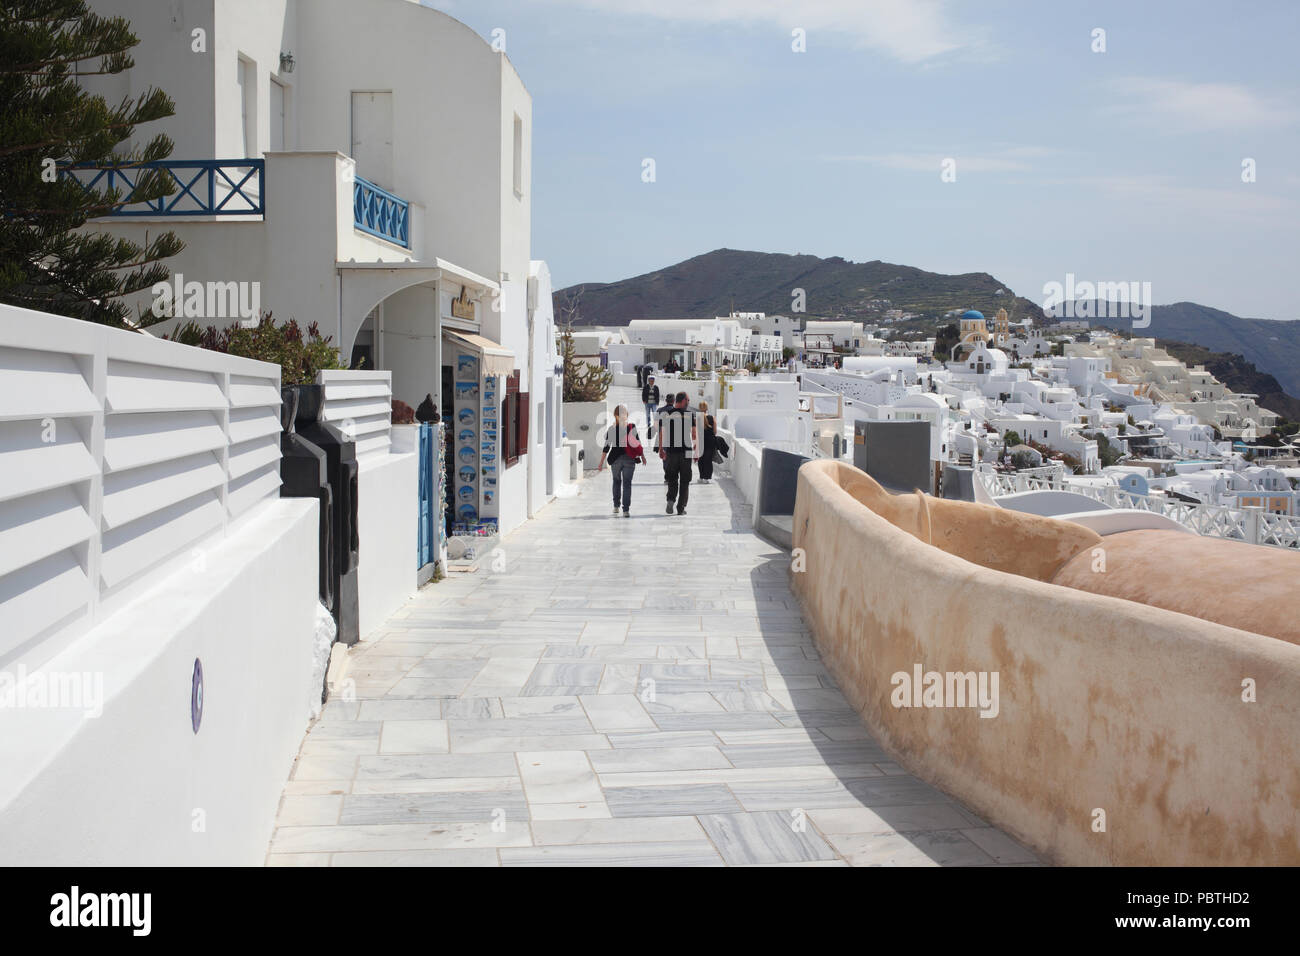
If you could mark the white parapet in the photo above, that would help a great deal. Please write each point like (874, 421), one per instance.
(122, 458)
(157, 599)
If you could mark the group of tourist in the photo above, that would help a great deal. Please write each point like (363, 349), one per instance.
(681, 435)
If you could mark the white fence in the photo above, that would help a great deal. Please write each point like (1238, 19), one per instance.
(120, 455)
(1252, 525)
(360, 402)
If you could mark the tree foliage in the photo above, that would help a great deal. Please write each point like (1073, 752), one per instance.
(49, 122)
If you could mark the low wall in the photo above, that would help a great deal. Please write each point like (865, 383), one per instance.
(586, 422)
(1121, 735)
(746, 468)
(136, 785)
(388, 503)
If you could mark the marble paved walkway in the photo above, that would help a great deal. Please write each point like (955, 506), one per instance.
(634, 690)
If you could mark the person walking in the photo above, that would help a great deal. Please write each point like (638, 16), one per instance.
(708, 445)
(623, 450)
(677, 444)
(670, 401)
(650, 398)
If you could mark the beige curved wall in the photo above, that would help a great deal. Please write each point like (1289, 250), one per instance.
(1104, 703)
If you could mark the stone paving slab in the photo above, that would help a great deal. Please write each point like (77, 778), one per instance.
(626, 692)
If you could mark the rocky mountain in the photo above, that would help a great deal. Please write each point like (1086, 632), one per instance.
(712, 283)
(708, 285)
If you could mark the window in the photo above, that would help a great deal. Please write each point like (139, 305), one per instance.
(541, 417)
(246, 77)
(514, 421)
(519, 157)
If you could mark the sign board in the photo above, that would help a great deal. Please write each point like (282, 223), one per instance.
(462, 307)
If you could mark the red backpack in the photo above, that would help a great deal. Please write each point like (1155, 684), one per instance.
(633, 444)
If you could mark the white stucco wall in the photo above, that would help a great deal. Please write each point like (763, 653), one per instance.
(387, 525)
(136, 786)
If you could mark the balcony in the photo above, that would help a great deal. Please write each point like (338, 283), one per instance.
(201, 187)
(379, 213)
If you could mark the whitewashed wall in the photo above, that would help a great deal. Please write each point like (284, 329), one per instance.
(122, 457)
(141, 531)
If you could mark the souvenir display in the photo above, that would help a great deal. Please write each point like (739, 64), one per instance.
(488, 444)
(440, 525)
(476, 416)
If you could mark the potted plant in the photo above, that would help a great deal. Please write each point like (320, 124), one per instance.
(585, 388)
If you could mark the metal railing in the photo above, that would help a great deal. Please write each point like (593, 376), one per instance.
(202, 187)
(379, 213)
(1252, 525)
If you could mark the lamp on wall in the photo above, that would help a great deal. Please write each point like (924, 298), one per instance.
(286, 63)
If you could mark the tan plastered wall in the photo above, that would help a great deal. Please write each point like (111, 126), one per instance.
(1104, 704)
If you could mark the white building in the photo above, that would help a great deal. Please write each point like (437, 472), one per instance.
(786, 328)
(693, 343)
(381, 188)
(841, 334)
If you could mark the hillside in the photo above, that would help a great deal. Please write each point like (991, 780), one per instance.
(707, 285)
(1271, 346)
(1238, 374)
(765, 282)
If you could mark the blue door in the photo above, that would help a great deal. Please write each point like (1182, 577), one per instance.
(428, 503)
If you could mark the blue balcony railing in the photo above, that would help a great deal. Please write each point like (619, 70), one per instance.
(379, 213)
(204, 187)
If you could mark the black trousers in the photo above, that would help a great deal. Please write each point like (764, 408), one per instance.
(677, 469)
(705, 464)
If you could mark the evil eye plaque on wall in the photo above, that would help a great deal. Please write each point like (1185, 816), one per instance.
(196, 695)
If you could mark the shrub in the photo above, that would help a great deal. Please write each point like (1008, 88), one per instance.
(299, 357)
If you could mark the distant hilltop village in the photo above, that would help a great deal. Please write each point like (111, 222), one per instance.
(1087, 410)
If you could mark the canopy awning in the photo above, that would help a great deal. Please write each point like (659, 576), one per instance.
(497, 359)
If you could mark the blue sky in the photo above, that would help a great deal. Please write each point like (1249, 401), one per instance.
(1116, 166)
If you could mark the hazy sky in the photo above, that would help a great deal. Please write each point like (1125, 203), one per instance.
(1116, 166)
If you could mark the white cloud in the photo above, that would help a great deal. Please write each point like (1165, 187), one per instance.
(1198, 106)
(908, 30)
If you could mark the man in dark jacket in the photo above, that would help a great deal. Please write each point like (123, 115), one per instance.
(677, 446)
(650, 397)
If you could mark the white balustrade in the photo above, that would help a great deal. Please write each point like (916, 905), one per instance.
(121, 457)
(1252, 525)
(360, 402)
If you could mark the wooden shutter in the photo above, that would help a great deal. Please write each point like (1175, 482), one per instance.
(510, 420)
(521, 445)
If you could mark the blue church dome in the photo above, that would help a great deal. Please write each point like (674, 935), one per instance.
(973, 314)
